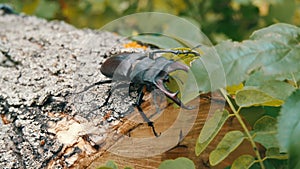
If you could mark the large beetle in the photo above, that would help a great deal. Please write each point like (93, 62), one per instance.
(7, 9)
(145, 69)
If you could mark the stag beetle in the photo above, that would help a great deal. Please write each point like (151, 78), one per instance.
(144, 69)
(7, 9)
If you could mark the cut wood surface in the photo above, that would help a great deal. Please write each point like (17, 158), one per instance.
(185, 148)
(48, 123)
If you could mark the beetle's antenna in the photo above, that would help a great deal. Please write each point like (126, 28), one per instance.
(95, 84)
(198, 46)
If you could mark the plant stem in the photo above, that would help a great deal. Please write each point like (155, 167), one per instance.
(240, 120)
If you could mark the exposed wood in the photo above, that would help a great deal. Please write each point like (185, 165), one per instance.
(185, 148)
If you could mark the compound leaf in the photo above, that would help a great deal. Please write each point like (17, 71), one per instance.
(229, 143)
(210, 129)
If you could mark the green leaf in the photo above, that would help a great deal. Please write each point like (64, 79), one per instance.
(210, 129)
(277, 89)
(109, 165)
(273, 153)
(268, 84)
(252, 96)
(272, 164)
(294, 147)
(279, 164)
(242, 2)
(281, 32)
(288, 36)
(228, 144)
(265, 131)
(231, 90)
(252, 114)
(208, 71)
(127, 168)
(258, 79)
(47, 9)
(243, 162)
(288, 120)
(178, 163)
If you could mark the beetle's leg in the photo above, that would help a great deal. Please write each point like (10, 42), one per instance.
(138, 106)
(140, 96)
(133, 87)
(149, 122)
(118, 86)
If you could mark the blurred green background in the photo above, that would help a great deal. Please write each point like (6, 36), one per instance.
(218, 19)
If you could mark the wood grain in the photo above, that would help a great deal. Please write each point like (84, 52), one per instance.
(185, 148)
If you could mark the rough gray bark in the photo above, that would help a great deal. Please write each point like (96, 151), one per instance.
(42, 67)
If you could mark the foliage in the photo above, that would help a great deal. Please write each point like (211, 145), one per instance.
(267, 67)
(289, 129)
(212, 127)
(267, 52)
(234, 19)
